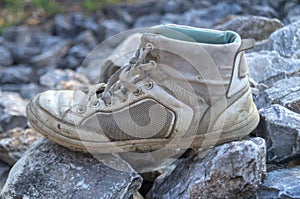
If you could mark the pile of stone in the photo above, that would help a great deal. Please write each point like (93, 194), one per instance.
(52, 56)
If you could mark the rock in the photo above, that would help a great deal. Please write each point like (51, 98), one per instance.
(51, 55)
(285, 92)
(27, 91)
(15, 142)
(23, 42)
(4, 169)
(12, 111)
(293, 13)
(256, 27)
(63, 79)
(69, 62)
(86, 38)
(113, 27)
(286, 41)
(233, 169)
(268, 66)
(147, 21)
(6, 56)
(48, 170)
(17, 74)
(283, 183)
(80, 52)
(175, 6)
(280, 127)
(64, 25)
(264, 11)
(207, 17)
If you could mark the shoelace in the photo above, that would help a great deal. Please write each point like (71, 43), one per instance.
(121, 82)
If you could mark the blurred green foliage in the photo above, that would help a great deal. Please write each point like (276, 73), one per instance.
(32, 12)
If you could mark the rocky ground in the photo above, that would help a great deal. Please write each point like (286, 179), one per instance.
(52, 56)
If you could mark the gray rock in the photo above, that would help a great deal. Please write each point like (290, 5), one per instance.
(286, 40)
(48, 170)
(293, 13)
(15, 142)
(147, 21)
(285, 92)
(233, 169)
(256, 27)
(209, 16)
(6, 56)
(27, 91)
(19, 74)
(12, 111)
(51, 55)
(280, 127)
(70, 62)
(268, 66)
(260, 10)
(113, 27)
(79, 51)
(86, 38)
(4, 169)
(64, 25)
(24, 42)
(283, 183)
(63, 79)
(175, 6)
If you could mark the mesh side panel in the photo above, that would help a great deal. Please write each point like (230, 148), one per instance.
(147, 119)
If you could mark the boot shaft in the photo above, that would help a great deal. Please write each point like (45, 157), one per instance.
(209, 63)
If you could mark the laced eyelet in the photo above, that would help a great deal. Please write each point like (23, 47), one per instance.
(108, 104)
(153, 63)
(149, 86)
(137, 92)
(95, 104)
(80, 110)
(150, 46)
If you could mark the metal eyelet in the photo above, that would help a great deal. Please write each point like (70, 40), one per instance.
(149, 86)
(80, 110)
(137, 92)
(108, 104)
(150, 46)
(95, 105)
(153, 63)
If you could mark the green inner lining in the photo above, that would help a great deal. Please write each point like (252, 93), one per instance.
(192, 34)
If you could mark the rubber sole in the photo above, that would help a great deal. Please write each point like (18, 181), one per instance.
(207, 140)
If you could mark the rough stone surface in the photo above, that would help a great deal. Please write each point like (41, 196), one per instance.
(14, 143)
(287, 40)
(268, 66)
(12, 111)
(6, 58)
(255, 27)
(285, 92)
(282, 183)
(4, 169)
(280, 127)
(63, 79)
(48, 170)
(16, 74)
(51, 55)
(233, 169)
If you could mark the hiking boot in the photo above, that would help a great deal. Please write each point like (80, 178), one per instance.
(184, 88)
